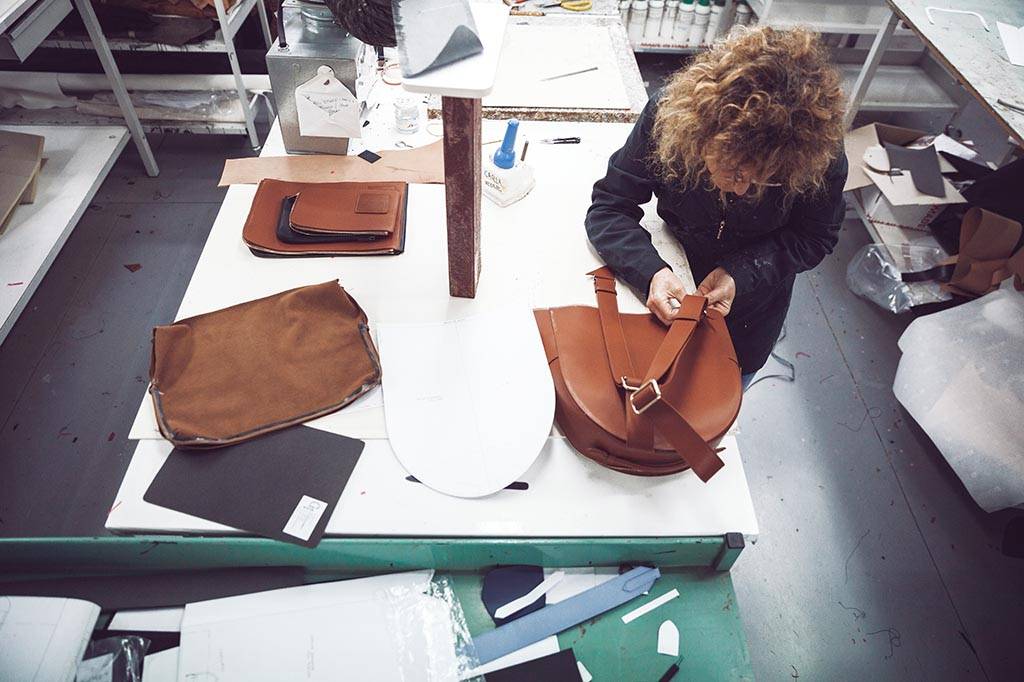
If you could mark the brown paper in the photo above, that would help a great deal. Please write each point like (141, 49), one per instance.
(20, 157)
(423, 165)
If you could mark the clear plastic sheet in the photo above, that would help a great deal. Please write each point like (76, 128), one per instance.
(114, 659)
(431, 637)
(875, 274)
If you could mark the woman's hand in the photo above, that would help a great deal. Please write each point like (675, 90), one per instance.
(664, 294)
(720, 289)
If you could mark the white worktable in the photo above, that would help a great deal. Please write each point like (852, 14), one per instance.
(535, 250)
(78, 159)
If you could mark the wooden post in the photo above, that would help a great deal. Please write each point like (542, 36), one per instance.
(463, 184)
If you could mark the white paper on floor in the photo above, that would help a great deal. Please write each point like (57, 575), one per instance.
(668, 639)
(449, 388)
(962, 379)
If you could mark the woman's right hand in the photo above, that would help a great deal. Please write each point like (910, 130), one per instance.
(664, 294)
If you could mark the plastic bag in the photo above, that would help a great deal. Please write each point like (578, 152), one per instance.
(114, 659)
(431, 637)
(875, 274)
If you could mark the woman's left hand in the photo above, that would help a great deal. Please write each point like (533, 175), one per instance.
(720, 289)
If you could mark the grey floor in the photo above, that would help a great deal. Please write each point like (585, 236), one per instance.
(872, 564)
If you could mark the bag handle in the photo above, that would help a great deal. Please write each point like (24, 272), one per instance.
(645, 410)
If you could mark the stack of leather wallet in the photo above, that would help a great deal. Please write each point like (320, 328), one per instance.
(327, 219)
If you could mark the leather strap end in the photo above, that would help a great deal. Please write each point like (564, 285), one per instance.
(707, 466)
(691, 308)
(603, 272)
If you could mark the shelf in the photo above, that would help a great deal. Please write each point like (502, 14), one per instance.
(828, 16)
(71, 117)
(134, 45)
(77, 161)
(236, 17)
(899, 88)
(659, 49)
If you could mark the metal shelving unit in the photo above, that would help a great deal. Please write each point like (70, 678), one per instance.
(230, 22)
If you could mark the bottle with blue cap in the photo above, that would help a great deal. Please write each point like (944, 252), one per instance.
(506, 178)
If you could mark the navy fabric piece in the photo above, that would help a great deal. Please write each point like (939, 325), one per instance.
(763, 246)
(505, 583)
(560, 667)
(369, 156)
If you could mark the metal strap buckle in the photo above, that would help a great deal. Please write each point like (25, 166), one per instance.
(653, 383)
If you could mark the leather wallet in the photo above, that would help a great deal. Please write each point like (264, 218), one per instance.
(268, 232)
(288, 235)
(357, 210)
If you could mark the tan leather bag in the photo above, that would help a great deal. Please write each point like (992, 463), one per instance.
(636, 396)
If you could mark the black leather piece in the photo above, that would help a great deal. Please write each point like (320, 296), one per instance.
(505, 583)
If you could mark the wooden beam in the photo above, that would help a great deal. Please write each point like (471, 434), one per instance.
(463, 185)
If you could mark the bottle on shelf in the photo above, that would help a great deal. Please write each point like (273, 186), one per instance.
(668, 20)
(701, 16)
(624, 8)
(744, 15)
(714, 22)
(655, 15)
(684, 22)
(637, 22)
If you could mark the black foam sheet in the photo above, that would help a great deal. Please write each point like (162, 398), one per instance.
(283, 485)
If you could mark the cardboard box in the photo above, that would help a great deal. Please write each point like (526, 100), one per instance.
(20, 160)
(897, 210)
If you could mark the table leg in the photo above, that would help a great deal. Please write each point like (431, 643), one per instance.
(867, 71)
(131, 118)
(463, 184)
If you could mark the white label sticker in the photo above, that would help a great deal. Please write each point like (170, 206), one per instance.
(305, 517)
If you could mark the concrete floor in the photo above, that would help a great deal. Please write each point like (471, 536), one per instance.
(873, 563)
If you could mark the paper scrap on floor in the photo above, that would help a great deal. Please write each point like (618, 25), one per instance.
(1013, 41)
(668, 639)
(382, 628)
(161, 666)
(449, 388)
(44, 638)
(148, 620)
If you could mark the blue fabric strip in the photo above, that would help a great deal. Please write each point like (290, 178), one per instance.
(555, 618)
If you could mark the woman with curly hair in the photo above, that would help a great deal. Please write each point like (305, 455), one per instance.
(743, 150)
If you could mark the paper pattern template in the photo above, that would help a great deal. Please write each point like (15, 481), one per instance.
(449, 388)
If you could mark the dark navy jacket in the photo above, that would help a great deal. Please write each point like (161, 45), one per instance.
(763, 245)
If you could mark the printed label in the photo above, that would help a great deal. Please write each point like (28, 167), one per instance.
(305, 517)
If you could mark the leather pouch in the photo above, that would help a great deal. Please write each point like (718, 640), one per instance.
(357, 210)
(234, 374)
(261, 230)
(289, 236)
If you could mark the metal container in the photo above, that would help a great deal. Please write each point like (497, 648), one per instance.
(313, 40)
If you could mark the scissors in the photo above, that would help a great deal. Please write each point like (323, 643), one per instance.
(571, 5)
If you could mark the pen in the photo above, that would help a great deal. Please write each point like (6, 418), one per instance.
(561, 140)
(670, 673)
(1011, 105)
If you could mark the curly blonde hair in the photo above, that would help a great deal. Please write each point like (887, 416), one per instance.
(763, 98)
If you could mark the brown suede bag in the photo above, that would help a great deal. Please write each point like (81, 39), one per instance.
(636, 396)
(260, 366)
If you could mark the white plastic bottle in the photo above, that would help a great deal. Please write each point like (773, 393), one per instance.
(743, 14)
(655, 14)
(668, 21)
(714, 21)
(701, 16)
(624, 7)
(684, 22)
(637, 22)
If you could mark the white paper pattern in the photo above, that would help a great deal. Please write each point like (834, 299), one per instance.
(449, 388)
(668, 639)
(1013, 41)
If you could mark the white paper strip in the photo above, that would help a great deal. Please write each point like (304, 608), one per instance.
(148, 620)
(530, 597)
(650, 606)
(584, 673)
